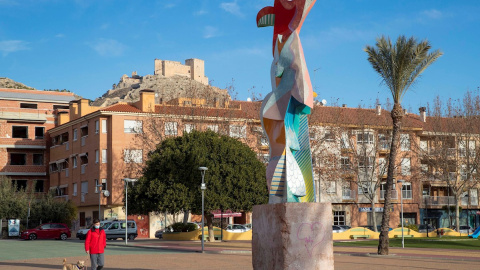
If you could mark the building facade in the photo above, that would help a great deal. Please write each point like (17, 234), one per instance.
(25, 116)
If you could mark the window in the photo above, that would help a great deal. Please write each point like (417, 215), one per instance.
(39, 186)
(238, 131)
(345, 163)
(96, 186)
(345, 142)
(383, 143)
(104, 155)
(329, 136)
(104, 184)
(97, 127)
(189, 127)
(331, 187)
(104, 125)
(213, 128)
(39, 132)
(265, 158)
(263, 140)
(365, 137)
(171, 129)
(53, 167)
(61, 107)
(132, 126)
(133, 156)
(382, 166)
(97, 156)
(37, 159)
(405, 142)
(365, 162)
(383, 188)
(405, 166)
(364, 187)
(74, 161)
(82, 219)
(85, 187)
(75, 134)
(84, 131)
(20, 184)
(407, 190)
(75, 189)
(339, 218)
(28, 106)
(18, 159)
(20, 132)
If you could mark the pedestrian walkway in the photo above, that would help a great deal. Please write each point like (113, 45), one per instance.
(236, 255)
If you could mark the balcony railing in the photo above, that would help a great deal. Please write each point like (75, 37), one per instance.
(439, 200)
(84, 139)
(348, 194)
(66, 172)
(62, 197)
(67, 145)
(82, 197)
(394, 195)
(83, 168)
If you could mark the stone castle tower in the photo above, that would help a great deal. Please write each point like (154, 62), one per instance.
(193, 69)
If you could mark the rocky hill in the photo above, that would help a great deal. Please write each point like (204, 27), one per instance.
(166, 88)
(9, 83)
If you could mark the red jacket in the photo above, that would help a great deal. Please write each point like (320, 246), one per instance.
(96, 241)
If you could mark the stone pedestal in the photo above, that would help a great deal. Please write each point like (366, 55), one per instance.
(292, 236)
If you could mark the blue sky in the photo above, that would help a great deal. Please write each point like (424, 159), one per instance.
(87, 45)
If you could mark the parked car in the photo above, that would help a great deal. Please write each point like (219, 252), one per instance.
(346, 227)
(82, 233)
(237, 228)
(465, 229)
(159, 234)
(116, 229)
(337, 229)
(422, 228)
(47, 231)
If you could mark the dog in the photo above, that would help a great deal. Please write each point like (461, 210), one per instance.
(70, 266)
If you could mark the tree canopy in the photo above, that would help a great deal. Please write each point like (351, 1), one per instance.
(171, 181)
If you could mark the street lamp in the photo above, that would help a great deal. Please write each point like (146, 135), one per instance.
(401, 203)
(203, 187)
(127, 180)
(105, 193)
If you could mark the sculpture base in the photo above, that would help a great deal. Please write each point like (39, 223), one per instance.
(292, 236)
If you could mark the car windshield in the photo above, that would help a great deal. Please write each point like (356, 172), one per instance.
(106, 225)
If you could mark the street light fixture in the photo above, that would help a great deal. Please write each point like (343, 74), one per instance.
(203, 187)
(401, 203)
(127, 180)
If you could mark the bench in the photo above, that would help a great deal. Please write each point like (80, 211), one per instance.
(360, 236)
(405, 235)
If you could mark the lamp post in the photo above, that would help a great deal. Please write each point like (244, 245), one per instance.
(401, 203)
(127, 180)
(99, 198)
(203, 187)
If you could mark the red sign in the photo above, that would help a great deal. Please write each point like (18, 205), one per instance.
(478, 212)
(225, 214)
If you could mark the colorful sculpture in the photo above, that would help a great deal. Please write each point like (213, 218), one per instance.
(284, 110)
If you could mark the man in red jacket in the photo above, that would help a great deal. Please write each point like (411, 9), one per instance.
(95, 243)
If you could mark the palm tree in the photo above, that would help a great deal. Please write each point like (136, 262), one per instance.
(399, 65)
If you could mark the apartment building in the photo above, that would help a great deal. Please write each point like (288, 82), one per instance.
(94, 148)
(25, 115)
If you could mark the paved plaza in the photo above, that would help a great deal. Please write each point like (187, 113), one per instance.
(158, 254)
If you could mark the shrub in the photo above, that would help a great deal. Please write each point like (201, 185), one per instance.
(181, 227)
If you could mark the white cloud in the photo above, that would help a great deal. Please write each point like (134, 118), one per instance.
(170, 5)
(200, 12)
(108, 47)
(104, 26)
(433, 13)
(210, 32)
(232, 7)
(10, 46)
(59, 35)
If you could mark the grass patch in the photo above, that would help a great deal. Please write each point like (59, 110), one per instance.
(441, 243)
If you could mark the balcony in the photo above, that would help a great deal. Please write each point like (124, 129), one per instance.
(407, 194)
(83, 168)
(439, 200)
(62, 197)
(394, 195)
(82, 197)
